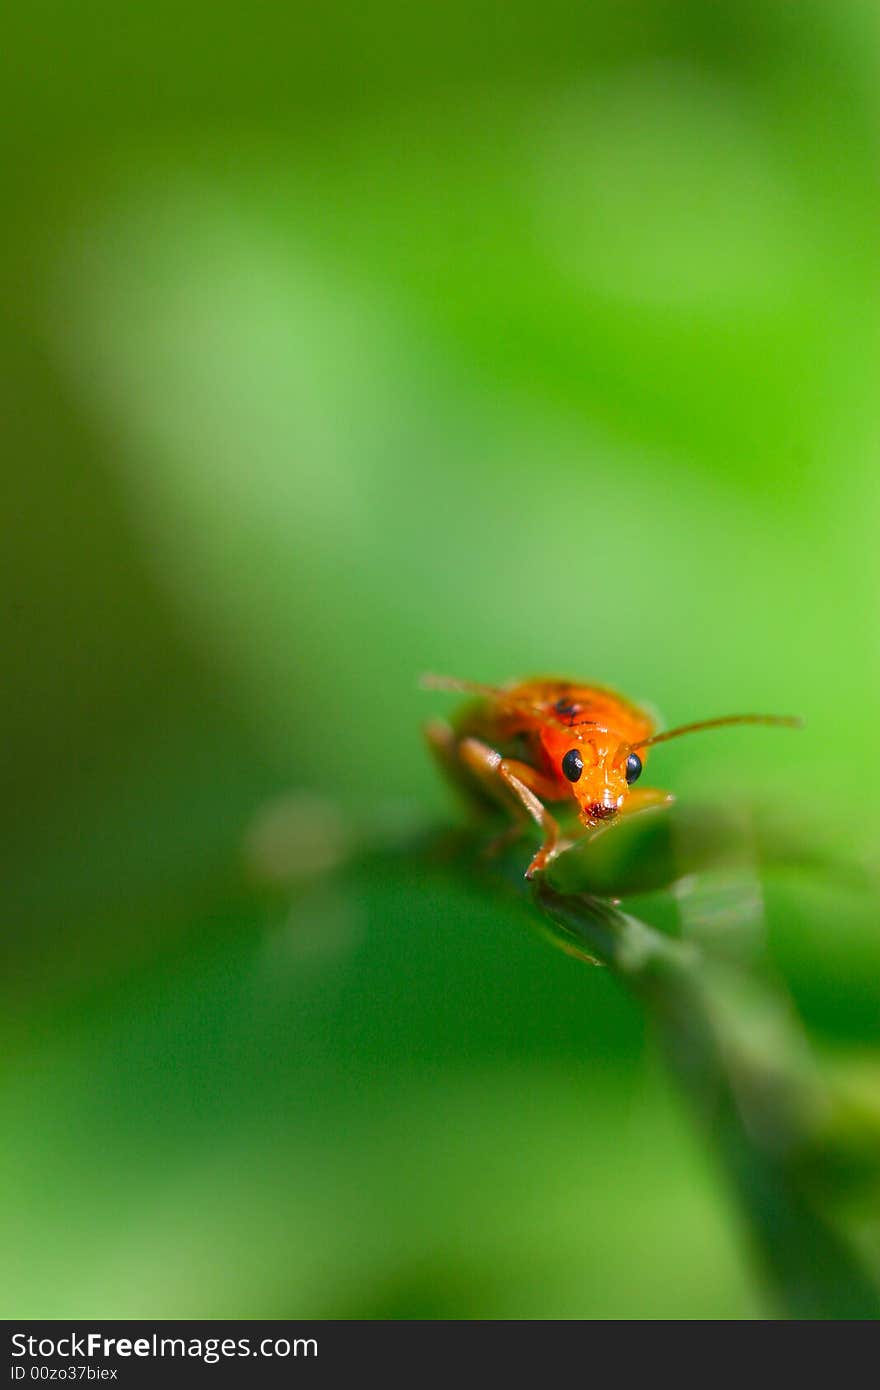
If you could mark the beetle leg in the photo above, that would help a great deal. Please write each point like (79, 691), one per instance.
(522, 782)
(508, 836)
(443, 743)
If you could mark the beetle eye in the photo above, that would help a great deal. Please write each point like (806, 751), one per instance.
(633, 768)
(572, 765)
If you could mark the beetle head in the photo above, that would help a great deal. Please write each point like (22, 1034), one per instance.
(598, 766)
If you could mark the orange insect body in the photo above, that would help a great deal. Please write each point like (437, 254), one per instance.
(555, 717)
(552, 740)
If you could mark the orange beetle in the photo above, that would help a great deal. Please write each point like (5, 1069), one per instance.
(548, 739)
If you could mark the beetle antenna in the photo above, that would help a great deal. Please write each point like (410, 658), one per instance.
(490, 692)
(785, 721)
(431, 682)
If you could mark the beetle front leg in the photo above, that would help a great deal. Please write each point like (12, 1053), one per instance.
(443, 743)
(523, 783)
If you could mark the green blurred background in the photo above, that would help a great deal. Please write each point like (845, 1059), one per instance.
(340, 344)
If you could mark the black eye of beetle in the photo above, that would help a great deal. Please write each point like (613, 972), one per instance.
(572, 765)
(633, 768)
